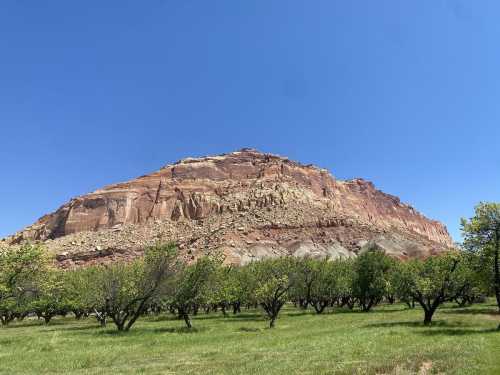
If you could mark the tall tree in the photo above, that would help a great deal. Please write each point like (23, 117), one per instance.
(482, 235)
(306, 275)
(51, 294)
(192, 287)
(128, 287)
(371, 278)
(274, 279)
(18, 269)
(323, 291)
(431, 282)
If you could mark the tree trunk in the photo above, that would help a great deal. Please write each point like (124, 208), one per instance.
(187, 320)
(303, 303)
(497, 267)
(236, 307)
(428, 316)
(366, 306)
(319, 307)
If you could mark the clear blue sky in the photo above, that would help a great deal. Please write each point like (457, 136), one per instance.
(403, 93)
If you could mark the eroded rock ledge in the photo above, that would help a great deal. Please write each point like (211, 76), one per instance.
(246, 204)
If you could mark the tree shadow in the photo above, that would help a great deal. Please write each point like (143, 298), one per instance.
(299, 313)
(457, 332)
(345, 310)
(387, 310)
(161, 318)
(33, 323)
(437, 328)
(246, 317)
(417, 324)
(7, 341)
(471, 311)
(250, 329)
(178, 330)
(112, 332)
(79, 328)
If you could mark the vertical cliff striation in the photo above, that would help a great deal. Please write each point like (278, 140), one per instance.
(246, 204)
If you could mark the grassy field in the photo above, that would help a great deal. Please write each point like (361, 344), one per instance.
(389, 340)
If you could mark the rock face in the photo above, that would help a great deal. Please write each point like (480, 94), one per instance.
(245, 204)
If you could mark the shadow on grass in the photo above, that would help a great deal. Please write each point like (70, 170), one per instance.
(249, 329)
(438, 328)
(298, 313)
(471, 311)
(385, 310)
(79, 328)
(33, 323)
(178, 330)
(457, 332)
(245, 317)
(416, 324)
(161, 318)
(208, 317)
(345, 310)
(36, 323)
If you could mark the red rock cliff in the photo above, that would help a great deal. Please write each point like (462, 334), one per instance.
(247, 204)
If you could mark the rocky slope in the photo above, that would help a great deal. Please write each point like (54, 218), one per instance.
(245, 204)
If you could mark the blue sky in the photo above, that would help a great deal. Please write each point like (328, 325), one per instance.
(403, 93)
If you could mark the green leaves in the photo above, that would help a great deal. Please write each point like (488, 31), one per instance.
(371, 277)
(482, 231)
(19, 268)
(482, 236)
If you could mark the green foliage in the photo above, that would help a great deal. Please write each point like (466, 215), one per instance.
(372, 272)
(306, 275)
(126, 288)
(322, 282)
(470, 285)
(482, 236)
(82, 290)
(192, 286)
(51, 294)
(432, 281)
(160, 281)
(18, 268)
(231, 288)
(323, 290)
(274, 279)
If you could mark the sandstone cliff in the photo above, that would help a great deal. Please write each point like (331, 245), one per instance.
(246, 204)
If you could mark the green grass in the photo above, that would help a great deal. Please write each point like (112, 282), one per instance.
(389, 340)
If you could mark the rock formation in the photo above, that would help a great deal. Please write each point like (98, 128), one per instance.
(246, 204)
